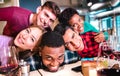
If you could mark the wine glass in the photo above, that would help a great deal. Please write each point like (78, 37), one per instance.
(116, 43)
(8, 59)
(106, 49)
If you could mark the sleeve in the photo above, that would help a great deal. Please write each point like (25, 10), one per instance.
(6, 13)
(88, 27)
(106, 35)
(5, 40)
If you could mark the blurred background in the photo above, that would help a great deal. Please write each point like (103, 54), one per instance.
(102, 14)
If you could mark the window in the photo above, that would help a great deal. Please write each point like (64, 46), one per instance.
(1, 1)
(107, 23)
(118, 25)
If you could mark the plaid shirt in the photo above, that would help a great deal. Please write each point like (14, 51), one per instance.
(90, 50)
(90, 46)
(71, 57)
(35, 60)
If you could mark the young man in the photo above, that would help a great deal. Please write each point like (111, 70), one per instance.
(19, 18)
(51, 52)
(83, 44)
(71, 17)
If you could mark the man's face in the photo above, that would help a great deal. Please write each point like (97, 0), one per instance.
(73, 41)
(77, 23)
(53, 57)
(45, 17)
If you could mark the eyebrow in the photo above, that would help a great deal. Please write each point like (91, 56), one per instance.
(61, 55)
(73, 35)
(32, 34)
(52, 57)
(48, 56)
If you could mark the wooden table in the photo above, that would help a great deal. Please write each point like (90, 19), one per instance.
(65, 71)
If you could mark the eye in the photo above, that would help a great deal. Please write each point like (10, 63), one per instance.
(51, 20)
(49, 58)
(66, 44)
(32, 39)
(46, 15)
(73, 35)
(27, 31)
(73, 25)
(61, 57)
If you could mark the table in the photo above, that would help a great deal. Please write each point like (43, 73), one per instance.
(66, 71)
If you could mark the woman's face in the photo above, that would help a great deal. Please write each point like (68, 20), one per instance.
(73, 41)
(77, 23)
(28, 38)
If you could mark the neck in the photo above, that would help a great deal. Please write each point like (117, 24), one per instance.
(33, 18)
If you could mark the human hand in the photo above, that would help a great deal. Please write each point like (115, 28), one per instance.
(99, 37)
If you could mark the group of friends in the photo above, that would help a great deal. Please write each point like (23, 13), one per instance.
(71, 39)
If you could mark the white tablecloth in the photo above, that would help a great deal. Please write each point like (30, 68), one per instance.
(65, 71)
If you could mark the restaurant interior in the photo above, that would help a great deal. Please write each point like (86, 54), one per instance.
(104, 15)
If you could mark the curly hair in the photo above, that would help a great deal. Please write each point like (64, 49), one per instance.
(51, 39)
(66, 15)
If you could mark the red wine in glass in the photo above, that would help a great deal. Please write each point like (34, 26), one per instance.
(108, 51)
(6, 68)
(108, 72)
(8, 60)
(117, 55)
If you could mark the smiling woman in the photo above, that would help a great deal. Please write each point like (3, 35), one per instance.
(27, 39)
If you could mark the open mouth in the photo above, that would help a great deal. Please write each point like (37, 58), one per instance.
(53, 69)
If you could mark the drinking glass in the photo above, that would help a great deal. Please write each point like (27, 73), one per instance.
(8, 59)
(116, 43)
(106, 49)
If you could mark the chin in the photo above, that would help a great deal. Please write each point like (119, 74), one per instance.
(53, 70)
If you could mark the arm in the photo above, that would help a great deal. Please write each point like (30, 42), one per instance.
(100, 36)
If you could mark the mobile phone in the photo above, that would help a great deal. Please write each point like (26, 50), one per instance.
(77, 69)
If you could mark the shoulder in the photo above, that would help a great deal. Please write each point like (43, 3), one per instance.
(16, 8)
(5, 39)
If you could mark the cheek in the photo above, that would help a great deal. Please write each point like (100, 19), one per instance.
(45, 62)
(61, 61)
(70, 47)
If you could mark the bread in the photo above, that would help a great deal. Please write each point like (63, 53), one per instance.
(89, 68)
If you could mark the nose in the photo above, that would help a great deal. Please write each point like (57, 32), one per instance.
(54, 63)
(46, 20)
(75, 43)
(25, 36)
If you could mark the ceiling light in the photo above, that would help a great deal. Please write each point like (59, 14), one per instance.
(89, 4)
(96, 6)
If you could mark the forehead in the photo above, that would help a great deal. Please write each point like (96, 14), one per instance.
(49, 12)
(68, 35)
(53, 51)
(74, 18)
(35, 31)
